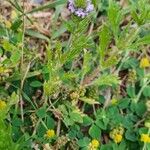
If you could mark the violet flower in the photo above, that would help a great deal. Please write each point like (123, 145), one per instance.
(80, 12)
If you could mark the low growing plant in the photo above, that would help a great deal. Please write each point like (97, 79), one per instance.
(85, 84)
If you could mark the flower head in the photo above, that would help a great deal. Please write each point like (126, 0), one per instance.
(80, 9)
(144, 62)
(145, 138)
(74, 95)
(114, 101)
(2, 105)
(94, 144)
(50, 133)
(117, 134)
(117, 138)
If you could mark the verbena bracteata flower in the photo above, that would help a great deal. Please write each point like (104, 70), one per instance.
(80, 9)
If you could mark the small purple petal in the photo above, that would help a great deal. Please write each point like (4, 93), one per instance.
(71, 8)
(80, 12)
(90, 8)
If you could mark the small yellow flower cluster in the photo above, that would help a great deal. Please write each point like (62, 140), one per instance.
(117, 138)
(144, 63)
(117, 134)
(132, 76)
(145, 138)
(74, 96)
(114, 101)
(94, 144)
(4, 70)
(2, 105)
(77, 93)
(50, 133)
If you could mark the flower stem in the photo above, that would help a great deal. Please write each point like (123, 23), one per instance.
(146, 82)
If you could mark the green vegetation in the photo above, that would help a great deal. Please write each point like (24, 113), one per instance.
(71, 83)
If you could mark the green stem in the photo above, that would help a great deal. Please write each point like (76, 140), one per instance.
(22, 65)
(43, 123)
(146, 82)
(122, 62)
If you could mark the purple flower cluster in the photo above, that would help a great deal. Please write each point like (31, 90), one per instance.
(80, 12)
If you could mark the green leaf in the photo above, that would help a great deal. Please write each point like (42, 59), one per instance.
(76, 117)
(7, 45)
(146, 91)
(131, 63)
(26, 97)
(48, 6)
(15, 57)
(140, 108)
(122, 145)
(131, 91)
(41, 112)
(124, 103)
(115, 16)
(36, 34)
(102, 123)
(36, 84)
(83, 142)
(140, 11)
(144, 40)
(50, 122)
(111, 61)
(106, 147)
(104, 37)
(131, 136)
(16, 24)
(95, 132)
(79, 42)
(89, 100)
(14, 99)
(107, 80)
(17, 122)
(87, 121)
(59, 32)
(86, 63)
(127, 122)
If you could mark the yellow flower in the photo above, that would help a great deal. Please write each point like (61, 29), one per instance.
(2, 105)
(144, 62)
(95, 143)
(117, 138)
(114, 101)
(4, 70)
(74, 95)
(50, 133)
(145, 138)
